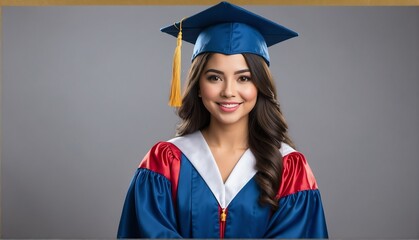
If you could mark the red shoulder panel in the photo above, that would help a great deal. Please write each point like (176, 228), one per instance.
(164, 158)
(297, 175)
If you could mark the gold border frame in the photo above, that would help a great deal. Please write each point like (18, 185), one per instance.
(1, 144)
(209, 2)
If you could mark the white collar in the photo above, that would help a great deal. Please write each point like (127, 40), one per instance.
(196, 149)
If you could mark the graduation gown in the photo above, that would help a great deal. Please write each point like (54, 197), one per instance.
(177, 192)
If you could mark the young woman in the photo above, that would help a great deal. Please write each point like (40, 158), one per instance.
(232, 171)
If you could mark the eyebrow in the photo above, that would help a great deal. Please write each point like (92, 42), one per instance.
(222, 73)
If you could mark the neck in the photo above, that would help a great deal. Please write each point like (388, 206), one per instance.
(233, 136)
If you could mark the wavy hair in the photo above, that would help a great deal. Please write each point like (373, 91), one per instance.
(267, 127)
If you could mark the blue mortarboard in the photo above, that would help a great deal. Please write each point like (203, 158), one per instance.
(228, 29)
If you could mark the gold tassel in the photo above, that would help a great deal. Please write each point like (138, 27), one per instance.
(175, 99)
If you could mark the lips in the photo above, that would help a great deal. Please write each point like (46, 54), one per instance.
(229, 106)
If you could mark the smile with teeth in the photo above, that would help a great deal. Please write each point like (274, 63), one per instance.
(229, 105)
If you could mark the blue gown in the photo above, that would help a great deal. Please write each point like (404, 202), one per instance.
(177, 192)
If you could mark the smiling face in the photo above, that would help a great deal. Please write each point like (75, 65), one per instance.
(227, 90)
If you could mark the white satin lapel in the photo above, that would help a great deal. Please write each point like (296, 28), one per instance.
(286, 149)
(196, 149)
(242, 173)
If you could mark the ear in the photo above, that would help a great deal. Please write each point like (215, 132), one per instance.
(199, 93)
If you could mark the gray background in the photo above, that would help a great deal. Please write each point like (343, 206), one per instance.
(85, 96)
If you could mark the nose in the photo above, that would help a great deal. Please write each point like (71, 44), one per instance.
(229, 89)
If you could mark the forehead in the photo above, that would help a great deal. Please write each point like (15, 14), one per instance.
(225, 62)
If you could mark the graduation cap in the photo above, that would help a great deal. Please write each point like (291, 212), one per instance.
(224, 28)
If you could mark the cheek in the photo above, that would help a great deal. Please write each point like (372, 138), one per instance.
(250, 93)
(207, 90)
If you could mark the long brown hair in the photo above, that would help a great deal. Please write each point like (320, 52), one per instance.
(267, 127)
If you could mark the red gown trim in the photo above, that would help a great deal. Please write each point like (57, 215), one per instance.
(222, 212)
(296, 176)
(164, 158)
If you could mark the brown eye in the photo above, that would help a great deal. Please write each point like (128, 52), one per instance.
(214, 78)
(244, 79)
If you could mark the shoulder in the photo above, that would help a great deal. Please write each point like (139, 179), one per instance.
(162, 158)
(297, 175)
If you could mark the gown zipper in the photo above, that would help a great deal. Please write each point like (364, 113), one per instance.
(223, 218)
